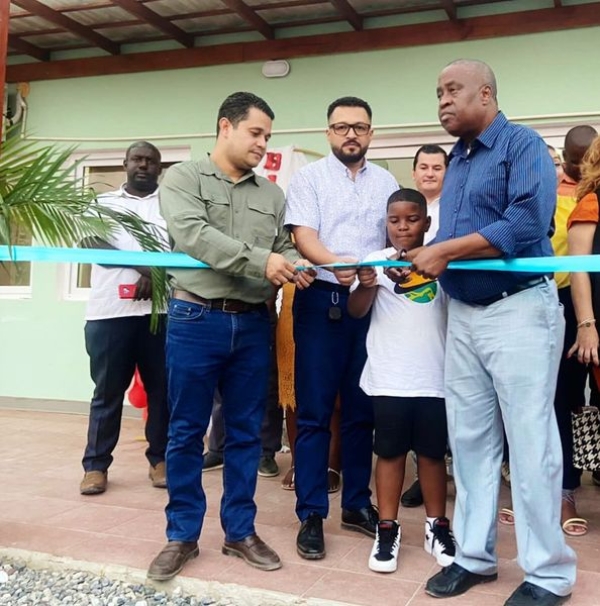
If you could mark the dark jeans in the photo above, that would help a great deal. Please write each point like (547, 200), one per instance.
(206, 348)
(570, 392)
(272, 425)
(330, 355)
(115, 347)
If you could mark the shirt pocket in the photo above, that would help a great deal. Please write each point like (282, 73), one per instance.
(262, 223)
(490, 195)
(218, 211)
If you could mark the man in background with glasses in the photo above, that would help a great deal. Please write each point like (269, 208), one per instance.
(336, 208)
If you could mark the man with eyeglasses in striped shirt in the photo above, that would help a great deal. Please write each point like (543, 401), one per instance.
(336, 208)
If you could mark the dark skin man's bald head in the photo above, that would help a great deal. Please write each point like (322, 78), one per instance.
(577, 141)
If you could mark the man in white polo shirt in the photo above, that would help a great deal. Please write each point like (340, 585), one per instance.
(117, 331)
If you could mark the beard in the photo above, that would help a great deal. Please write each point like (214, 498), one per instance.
(347, 157)
(144, 185)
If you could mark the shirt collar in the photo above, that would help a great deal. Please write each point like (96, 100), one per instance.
(125, 194)
(337, 165)
(208, 167)
(487, 138)
(566, 180)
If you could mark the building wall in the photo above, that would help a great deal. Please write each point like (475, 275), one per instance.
(42, 353)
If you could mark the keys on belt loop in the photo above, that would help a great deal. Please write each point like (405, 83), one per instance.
(335, 311)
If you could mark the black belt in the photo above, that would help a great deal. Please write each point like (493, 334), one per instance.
(228, 305)
(330, 286)
(511, 291)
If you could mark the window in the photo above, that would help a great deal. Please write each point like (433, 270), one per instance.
(104, 172)
(15, 278)
(396, 152)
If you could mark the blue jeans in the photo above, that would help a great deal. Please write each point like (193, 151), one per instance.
(204, 348)
(115, 347)
(501, 365)
(330, 356)
(272, 425)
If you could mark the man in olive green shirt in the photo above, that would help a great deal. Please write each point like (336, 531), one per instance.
(220, 212)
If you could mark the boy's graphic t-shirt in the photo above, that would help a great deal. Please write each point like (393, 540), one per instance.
(406, 338)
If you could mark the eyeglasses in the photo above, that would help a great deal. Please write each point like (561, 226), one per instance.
(341, 128)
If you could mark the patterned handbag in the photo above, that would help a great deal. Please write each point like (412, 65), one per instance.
(586, 439)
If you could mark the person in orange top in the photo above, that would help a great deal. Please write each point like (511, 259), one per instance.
(572, 377)
(584, 239)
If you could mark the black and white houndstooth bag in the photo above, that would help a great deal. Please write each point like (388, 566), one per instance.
(586, 439)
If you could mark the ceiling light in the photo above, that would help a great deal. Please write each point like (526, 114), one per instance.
(275, 69)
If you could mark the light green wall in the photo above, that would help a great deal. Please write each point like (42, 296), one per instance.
(42, 353)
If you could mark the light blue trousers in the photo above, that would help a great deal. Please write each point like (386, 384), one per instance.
(501, 366)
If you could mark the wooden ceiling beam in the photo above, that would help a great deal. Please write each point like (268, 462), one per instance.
(26, 48)
(152, 18)
(49, 14)
(347, 11)
(450, 8)
(247, 14)
(475, 28)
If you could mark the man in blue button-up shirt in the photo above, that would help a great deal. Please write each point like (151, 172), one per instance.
(505, 333)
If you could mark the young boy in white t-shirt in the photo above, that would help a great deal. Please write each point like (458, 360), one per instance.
(404, 375)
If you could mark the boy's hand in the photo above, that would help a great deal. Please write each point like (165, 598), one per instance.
(398, 275)
(345, 275)
(304, 278)
(367, 276)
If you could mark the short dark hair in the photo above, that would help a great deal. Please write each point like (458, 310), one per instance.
(349, 102)
(238, 105)
(430, 149)
(406, 194)
(145, 144)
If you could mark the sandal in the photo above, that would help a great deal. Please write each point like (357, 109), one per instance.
(506, 516)
(575, 527)
(334, 479)
(288, 482)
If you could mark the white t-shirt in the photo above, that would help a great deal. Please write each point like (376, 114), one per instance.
(104, 301)
(406, 338)
(433, 211)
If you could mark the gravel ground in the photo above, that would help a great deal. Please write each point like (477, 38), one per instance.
(25, 585)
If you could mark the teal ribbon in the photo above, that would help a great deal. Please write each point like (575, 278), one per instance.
(98, 256)
(585, 263)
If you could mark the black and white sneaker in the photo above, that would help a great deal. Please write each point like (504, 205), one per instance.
(384, 555)
(439, 541)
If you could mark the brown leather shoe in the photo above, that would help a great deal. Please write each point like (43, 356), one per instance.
(254, 551)
(169, 562)
(94, 482)
(158, 475)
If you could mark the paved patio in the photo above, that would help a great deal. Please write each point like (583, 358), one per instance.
(42, 511)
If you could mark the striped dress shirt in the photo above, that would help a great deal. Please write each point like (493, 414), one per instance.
(503, 187)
